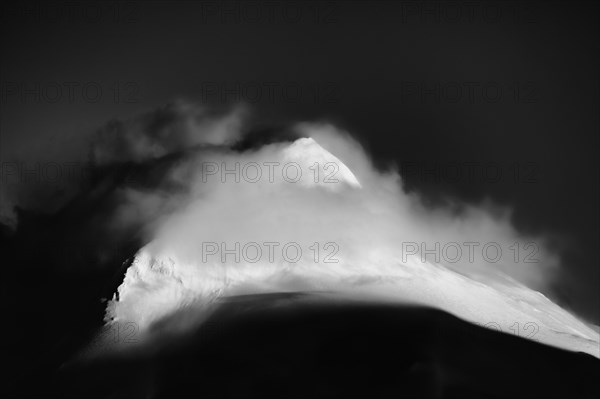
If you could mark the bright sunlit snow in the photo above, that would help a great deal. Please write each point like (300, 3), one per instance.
(349, 229)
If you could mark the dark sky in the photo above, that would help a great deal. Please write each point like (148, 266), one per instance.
(504, 87)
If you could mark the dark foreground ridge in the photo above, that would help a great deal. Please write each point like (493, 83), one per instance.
(283, 347)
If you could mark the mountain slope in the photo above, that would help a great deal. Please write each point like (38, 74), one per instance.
(169, 275)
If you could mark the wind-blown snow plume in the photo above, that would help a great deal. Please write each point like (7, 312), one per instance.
(315, 215)
(223, 217)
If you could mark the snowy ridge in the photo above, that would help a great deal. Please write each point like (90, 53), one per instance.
(155, 286)
(311, 157)
(164, 279)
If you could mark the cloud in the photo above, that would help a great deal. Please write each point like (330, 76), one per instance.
(372, 231)
(175, 127)
(193, 184)
(49, 174)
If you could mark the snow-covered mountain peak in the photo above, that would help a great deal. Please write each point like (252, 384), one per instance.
(333, 243)
(319, 166)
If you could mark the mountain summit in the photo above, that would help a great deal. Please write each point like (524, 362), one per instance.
(325, 169)
(277, 243)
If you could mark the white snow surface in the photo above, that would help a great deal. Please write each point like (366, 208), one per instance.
(166, 278)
